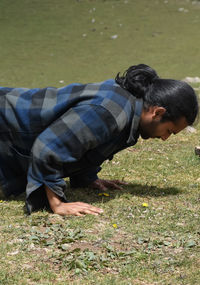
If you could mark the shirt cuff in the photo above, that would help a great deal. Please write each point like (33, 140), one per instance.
(36, 198)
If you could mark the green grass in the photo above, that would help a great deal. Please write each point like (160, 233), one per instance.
(44, 42)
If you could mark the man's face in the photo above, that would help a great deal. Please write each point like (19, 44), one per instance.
(151, 125)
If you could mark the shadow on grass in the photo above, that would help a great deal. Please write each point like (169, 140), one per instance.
(88, 195)
(20, 197)
(93, 195)
(147, 190)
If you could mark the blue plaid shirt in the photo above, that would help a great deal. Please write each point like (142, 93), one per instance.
(51, 133)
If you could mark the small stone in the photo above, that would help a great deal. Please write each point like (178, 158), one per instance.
(190, 129)
(197, 150)
(192, 79)
(14, 252)
(114, 37)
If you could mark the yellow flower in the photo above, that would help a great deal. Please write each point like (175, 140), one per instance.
(1, 201)
(115, 226)
(104, 194)
(145, 205)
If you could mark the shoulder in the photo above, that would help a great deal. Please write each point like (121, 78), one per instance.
(117, 101)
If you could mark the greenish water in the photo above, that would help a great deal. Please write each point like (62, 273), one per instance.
(44, 42)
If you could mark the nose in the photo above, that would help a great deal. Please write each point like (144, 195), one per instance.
(165, 137)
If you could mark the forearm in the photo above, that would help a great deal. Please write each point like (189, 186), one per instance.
(54, 200)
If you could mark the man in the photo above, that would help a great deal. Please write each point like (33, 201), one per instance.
(48, 134)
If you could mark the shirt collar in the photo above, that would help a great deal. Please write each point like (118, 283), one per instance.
(134, 134)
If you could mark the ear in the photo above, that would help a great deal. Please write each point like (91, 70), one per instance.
(158, 112)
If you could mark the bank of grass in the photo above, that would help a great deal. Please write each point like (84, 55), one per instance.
(53, 43)
(131, 242)
(45, 42)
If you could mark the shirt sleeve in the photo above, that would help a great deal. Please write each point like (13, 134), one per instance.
(85, 177)
(63, 144)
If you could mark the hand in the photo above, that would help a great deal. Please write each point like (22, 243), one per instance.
(76, 209)
(104, 185)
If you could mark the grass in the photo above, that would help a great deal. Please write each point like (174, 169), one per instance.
(45, 42)
(129, 243)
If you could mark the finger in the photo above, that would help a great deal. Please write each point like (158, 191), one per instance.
(115, 186)
(83, 205)
(83, 212)
(90, 212)
(120, 182)
(111, 184)
(100, 185)
(78, 214)
(95, 210)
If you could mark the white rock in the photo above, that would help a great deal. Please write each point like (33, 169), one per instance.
(93, 20)
(114, 37)
(183, 10)
(190, 129)
(192, 79)
(14, 252)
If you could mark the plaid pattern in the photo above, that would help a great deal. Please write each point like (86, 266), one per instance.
(51, 133)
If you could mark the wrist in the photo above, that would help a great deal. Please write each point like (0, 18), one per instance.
(54, 201)
(56, 205)
(58, 209)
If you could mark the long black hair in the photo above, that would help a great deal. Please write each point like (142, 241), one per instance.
(177, 97)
